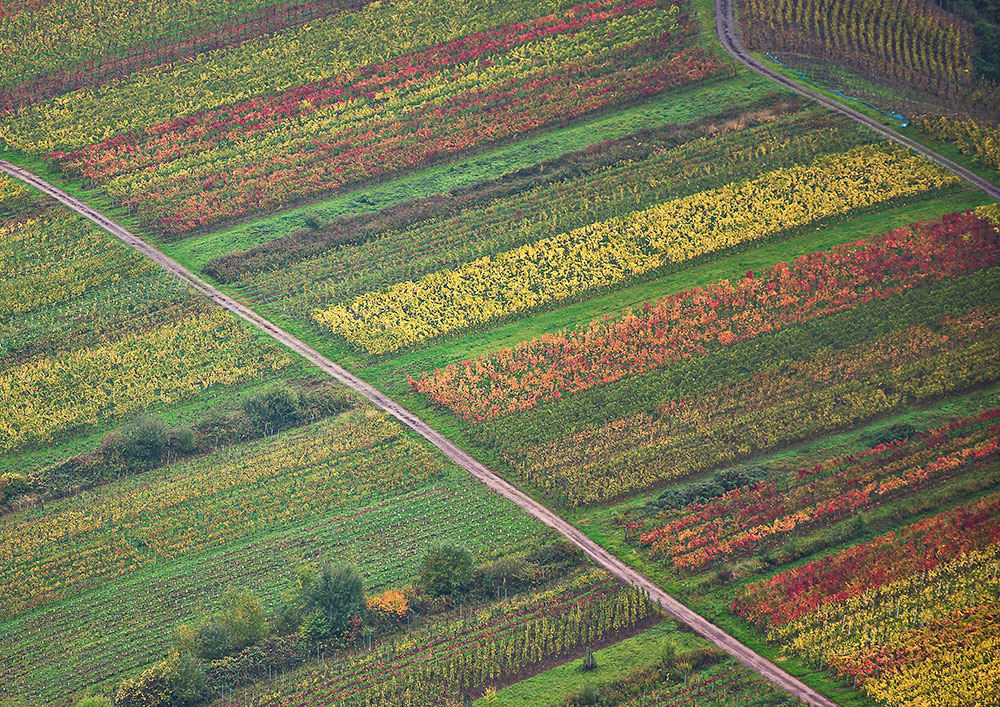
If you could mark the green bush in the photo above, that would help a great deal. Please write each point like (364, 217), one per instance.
(327, 603)
(12, 484)
(557, 552)
(94, 702)
(240, 622)
(143, 441)
(510, 571)
(446, 569)
(174, 682)
(181, 440)
(719, 483)
(328, 400)
(277, 407)
(893, 433)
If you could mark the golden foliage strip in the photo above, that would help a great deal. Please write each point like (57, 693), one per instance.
(830, 392)
(609, 253)
(173, 362)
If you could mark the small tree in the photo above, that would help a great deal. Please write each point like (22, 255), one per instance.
(274, 408)
(507, 571)
(94, 701)
(181, 439)
(327, 604)
(12, 484)
(589, 695)
(446, 569)
(239, 623)
(668, 654)
(144, 441)
(176, 681)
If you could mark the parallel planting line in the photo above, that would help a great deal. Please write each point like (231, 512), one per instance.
(595, 552)
(725, 27)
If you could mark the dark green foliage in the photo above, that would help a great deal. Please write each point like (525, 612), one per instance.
(287, 615)
(326, 603)
(219, 428)
(589, 662)
(239, 623)
(96, 701)
(178, 680)
(327, 400)
(12, 484)
(557, 552)
(508, 572)
(272, 655)
(277, 407)
(717, 484)
(446, 569)
(312, 222)
(143, 441)
(315, 626)
(895, 432)
(588, 696)
(181, 440)
(984, 16)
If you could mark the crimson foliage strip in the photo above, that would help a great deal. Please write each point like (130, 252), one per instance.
(262, 153)
(748, 519)
(703, 319)
(910, 615)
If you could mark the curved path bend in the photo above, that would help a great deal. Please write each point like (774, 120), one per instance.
(725, 26)
(595, 552)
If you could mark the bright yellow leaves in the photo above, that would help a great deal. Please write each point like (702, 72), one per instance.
(609, 253)
(173, 362)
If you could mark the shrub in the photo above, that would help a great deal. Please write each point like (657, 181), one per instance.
(239, 623)
(388, 608)
(898, 431)
(96, 701)
(181, 440)
(557, 552)
(143, 441)
(508, 571)
(328, 400)
(446, 569)
(587, 696)
(176, 681)
(12, 484)
(719, 483)
(589, 662)
(327, 603)
(277, 407)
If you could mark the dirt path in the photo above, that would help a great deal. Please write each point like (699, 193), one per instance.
(595, 552)
(726, 29)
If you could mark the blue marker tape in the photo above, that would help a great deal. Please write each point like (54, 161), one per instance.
(903, 122)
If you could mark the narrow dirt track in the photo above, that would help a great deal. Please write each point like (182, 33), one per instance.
(595, 552)
(725, 27)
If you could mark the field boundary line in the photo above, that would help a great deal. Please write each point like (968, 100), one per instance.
(725, 28)
(595, 552)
